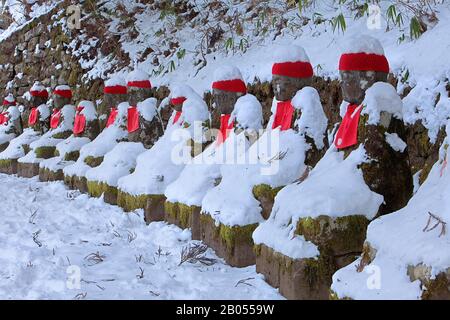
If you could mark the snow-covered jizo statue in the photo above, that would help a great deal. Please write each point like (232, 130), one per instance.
(91, 154)
(317, 226)
(292, 143)
(85, 129)
(36, 118)
(239, 123)
(61, 123)
(143, 123)
(161, 165)
(121, 160)
(10, 124)
(406, 254)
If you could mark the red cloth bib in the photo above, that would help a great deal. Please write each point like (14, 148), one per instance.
(34, 114)
(347, 134)
(112, 117)
(225, 127)
(79, 123)
(54, 119)
(132, 119)
(2, 118)
(283, 115)
(177, 117)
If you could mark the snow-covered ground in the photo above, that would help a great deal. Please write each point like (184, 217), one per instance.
(51, 236)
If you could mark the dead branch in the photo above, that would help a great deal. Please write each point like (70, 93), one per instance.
(195, 253)
(439, 221)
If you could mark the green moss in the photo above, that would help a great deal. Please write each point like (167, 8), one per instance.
(62, 135)
(236, 234)
(130, 202)
(5, 163)
(180, 212)
(96, 189)
(93, 161)
(342, 234)
(45, 152)
(265, 191)
(72, 156)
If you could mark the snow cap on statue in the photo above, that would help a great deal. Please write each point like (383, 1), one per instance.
(363, 53)
(9, 100)
(63, 91)
(115, 85)
(139, 79)
(38, 90)
(229, 78)
(291, 61)
(179, 93)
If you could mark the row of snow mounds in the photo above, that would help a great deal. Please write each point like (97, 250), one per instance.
(407, 253)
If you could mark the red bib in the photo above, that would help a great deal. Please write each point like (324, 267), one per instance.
(177, 117)
(347, 134)
(33, 116)
(79, 123)
(283, 115)
(112, 117)
(2, 118)
(225, 128)
(132, 119)
(54, 119)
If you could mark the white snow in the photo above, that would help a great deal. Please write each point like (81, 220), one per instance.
(395, 142)
(37, 86)
(362, 43)
(89, 111)
(117, 163)
(381, 97)
(63, 87)
(13, 114)
(147, 108)
(292, 53)
(227, 72)
(15, 148)
(137, 75)
(248, 113)
(48, 267)
(115, 80)
(10, 98)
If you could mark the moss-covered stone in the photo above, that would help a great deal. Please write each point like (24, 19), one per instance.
(93, 161)
(72, 156)
(341, 235)
(62, 135)
(3, 146)
(183, 216)
(45, 152)
(97, 189)
(234, 244)
(265, 194)
(130, 202)
(8, 166)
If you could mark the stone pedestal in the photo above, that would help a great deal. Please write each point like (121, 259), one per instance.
(154, 208)
(97, 189)
(49, 175)
(183, 216)
(339, 241)
(234, 244)
(8, 166)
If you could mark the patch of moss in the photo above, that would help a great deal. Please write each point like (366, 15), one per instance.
(179, 212)
(62, 135)
(96, 189)
(72, 156)
(236, 234)
(265, 191)
(341, 235)
(93, 161)
(5, 163)
(257, 249)
(130, 202)
(44, 152)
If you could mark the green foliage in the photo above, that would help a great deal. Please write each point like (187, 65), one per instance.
(339, 23)
(415, 28)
